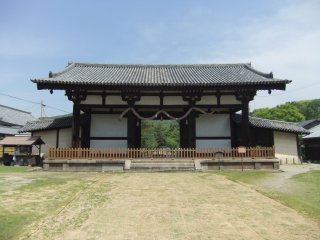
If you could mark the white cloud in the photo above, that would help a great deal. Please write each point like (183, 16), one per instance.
(286, 43)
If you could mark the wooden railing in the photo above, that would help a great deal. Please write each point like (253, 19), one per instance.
(151, 153)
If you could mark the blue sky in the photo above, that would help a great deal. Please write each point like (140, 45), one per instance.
(39, 36)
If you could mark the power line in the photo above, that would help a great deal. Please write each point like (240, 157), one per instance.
(29, 101)
(294, 90)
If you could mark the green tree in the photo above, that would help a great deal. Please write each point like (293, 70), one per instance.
(284, 112)
(309, 108)
(157, 133)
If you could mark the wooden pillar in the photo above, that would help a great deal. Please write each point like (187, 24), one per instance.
(137, 137)
(86, 129)
(245, 96)
(245, 141)
(191, 130)
(76, 96)
(76, 125)
(131, 129)
(183, 133)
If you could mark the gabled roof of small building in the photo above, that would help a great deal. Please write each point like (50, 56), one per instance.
(171, 75)
(47, 123)
(309, 124)
(5, 130)
(313, 135)
(276, 125)
(21, 141)
(11, 116)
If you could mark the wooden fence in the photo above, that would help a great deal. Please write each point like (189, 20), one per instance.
(152, 153)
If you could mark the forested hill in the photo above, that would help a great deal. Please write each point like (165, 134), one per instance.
(291, 111)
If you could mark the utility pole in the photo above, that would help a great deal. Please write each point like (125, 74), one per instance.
(43, 113)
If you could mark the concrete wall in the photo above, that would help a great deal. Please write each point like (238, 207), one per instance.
(215, 125)
(286, 147)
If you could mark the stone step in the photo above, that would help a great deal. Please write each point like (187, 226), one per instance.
(162, 166)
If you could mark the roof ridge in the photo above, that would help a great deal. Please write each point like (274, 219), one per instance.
(14, 109)
(281, 121)
(158, 65)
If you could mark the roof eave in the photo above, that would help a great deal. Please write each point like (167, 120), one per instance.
(41, 85)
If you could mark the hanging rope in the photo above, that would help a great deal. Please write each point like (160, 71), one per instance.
(163, 112)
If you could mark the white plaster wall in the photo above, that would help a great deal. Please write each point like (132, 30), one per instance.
(108, 125)
(148, 100)
(115, 100)
(213, 125)
(229, 99)
(173, 100)
(208, 100)
(108, 143)
(92, 99)
(49, 137)
(216, 143)
(286, 147)
(65, 137)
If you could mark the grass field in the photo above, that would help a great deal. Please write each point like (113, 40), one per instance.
(187, 205)
(301, 191)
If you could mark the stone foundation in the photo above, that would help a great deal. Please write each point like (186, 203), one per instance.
(159, 165)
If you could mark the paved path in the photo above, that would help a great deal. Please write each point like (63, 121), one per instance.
(175, 206)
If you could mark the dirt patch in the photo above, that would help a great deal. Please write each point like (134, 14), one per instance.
(279, 181)
(173, 206)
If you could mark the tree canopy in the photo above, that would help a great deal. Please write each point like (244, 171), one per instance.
(157, 133)
(291, 111)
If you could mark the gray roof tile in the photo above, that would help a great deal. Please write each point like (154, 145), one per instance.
(160, 75)
(47, 123)
(313, 135)
(12, 116)
(277, 125)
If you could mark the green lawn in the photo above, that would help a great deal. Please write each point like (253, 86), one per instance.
(4, 169)
(34, 197)
(301, 192)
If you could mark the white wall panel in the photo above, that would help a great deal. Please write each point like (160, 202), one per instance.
(208, 100)
(108, 125)
(229, 99)
(108, 143)
(214, 125)
(115, 100)
(93, 99)
(65, 137)
(149, 100)
(285, 143)
(49, 137)
(209, 143)
(173, 100)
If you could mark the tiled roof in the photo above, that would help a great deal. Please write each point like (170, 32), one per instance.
(277, 125)
(12, 116)
(309, 124)
(281, 126)
(313, 135)
(21, 140)
(63, 121)
(160, 75)
(12, 130)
